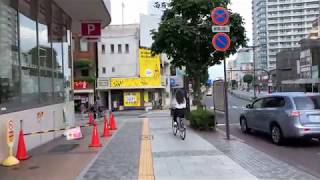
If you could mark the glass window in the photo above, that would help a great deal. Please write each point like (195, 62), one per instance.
(85, 72)
(258, 104)
(112, 48)
(83, 45)
(67, 65)
(274, 102)
(304, 103)
(45, 54)
(127, 48)
(113, 69)
(103, 70)
(28, 56)
(119, 48)
(58, 32)
(103, 48)
(9, 68)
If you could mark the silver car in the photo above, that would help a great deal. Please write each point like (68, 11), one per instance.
(284, 115)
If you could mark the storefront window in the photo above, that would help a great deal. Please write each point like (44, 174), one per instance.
(45, 54)
(58, 32)
(67, 64)
(29, 57)
(35, 55)
(9, 57)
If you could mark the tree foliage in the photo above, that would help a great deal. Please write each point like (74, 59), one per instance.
(248, 78)
(185, 35)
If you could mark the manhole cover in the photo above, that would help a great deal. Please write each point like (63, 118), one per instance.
(63, 148)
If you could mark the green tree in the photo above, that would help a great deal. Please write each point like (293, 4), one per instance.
(185, 35)
(248, 78)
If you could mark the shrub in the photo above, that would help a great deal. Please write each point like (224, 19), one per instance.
(201, 119)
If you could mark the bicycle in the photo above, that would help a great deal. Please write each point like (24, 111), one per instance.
(179, 127)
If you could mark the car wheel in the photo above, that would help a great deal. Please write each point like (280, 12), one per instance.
(244, 125)
(276, 135)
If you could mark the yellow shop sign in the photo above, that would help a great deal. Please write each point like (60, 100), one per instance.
(131, 99)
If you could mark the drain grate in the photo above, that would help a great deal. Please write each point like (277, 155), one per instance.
(63, 148)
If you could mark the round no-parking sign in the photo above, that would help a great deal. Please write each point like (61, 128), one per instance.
(221, 42)
(220, 16)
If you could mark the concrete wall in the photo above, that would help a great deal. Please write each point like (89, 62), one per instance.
(124, 64)
(52, 119)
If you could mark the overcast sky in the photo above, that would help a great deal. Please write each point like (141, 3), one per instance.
(132, 10)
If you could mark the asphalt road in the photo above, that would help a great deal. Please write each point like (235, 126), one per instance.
(301, 154)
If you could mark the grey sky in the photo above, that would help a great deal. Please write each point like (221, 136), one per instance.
(132, 10)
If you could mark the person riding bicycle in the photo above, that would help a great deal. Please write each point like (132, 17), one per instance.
(179, 105)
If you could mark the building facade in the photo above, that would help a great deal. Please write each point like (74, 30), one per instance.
(240, 66)
(85, 65)
(281, 24)
(36, 64)
(129, 76)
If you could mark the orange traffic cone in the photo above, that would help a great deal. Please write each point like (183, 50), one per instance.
(106, 132)
(113, 125)
(95, 142)
(22, 151)
(91, 119)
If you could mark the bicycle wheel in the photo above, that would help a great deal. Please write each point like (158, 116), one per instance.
(174, 128)
(183, 130)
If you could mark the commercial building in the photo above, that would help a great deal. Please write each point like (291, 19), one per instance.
(280, 24)
(85, 73)
(129, 76)
(36, 63)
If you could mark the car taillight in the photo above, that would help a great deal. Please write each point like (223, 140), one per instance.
(295, 114)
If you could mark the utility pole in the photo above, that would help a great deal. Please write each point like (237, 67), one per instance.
(122, 7)
(254, 73)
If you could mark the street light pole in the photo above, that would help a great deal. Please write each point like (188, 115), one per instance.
(254, 73)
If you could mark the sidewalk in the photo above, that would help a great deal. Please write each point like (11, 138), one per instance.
(193, 158)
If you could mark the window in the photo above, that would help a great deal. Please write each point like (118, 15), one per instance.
(10, 84)
(103, 70)
(127, 48)
(112, 48)
(113, 69)
(273, 102)
(45, 56)
(258, 104)
(29, 59)
(34, 54)
(119, 48)
(103, 49)
(85, 72)
(83, 45)
(305, 103)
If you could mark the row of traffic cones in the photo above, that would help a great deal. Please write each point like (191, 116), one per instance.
(95, 142)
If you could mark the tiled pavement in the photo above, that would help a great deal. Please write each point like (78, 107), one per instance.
(119, 160)
(256, 162)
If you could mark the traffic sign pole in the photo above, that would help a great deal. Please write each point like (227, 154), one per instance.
(226, 99)
(221, 42)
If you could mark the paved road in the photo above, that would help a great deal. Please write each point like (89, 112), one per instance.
(301, 154)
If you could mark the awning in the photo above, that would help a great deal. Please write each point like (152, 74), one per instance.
(86, 10)
(83, 91)
(301, 81)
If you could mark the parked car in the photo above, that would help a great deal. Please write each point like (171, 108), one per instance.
(284, 115)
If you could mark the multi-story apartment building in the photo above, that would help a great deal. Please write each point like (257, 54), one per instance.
(280, 24)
